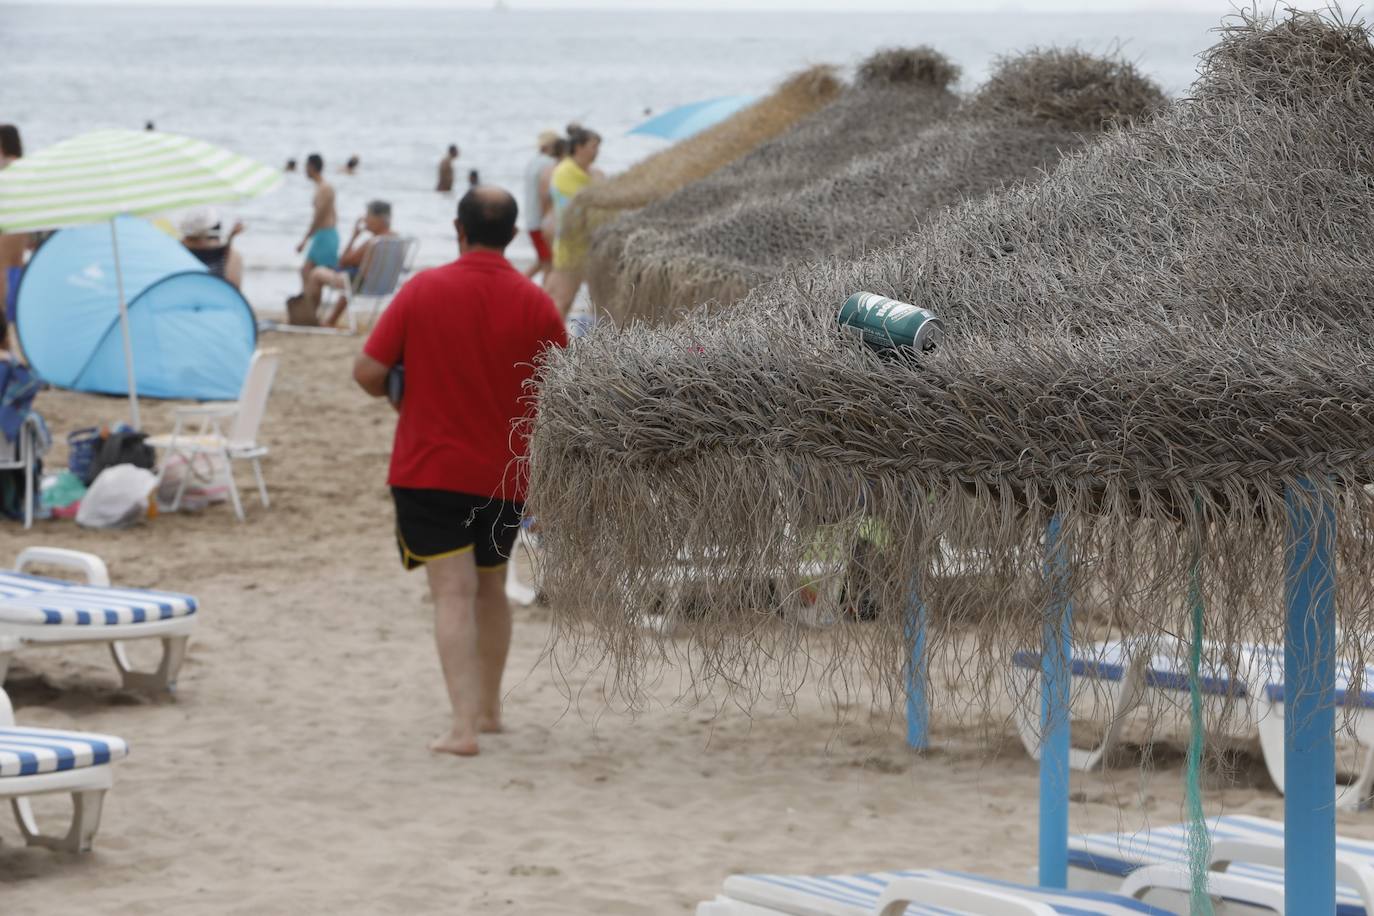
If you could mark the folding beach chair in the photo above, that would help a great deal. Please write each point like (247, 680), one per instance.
(41, 761)
(1247, 847)
(1120, 672)
(39, 611)
(226, 431)
(387, 263)
(22, 456)
(934, 892)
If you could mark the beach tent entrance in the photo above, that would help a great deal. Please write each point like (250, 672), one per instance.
(192, 333)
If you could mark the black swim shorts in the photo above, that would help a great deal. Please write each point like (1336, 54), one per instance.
(439, 523)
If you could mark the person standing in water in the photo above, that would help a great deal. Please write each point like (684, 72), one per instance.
(567, 181)
(323, 234)
(446, 169)
(538, 203)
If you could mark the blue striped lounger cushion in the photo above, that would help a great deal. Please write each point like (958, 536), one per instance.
(1119, 854)
(855, 895)
(27, 600)
(31, 751)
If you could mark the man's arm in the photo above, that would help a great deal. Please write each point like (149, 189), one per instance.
(370, 375)
(355, 254)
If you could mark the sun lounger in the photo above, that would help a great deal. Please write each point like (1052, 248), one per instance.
(930, 892)
(1122, 672)
(1249, 847)
(41, 761)
(35, 610)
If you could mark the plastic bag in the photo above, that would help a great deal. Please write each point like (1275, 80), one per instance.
(117, 498)
(206, 476)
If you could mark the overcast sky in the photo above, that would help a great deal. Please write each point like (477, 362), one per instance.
(1201, 6)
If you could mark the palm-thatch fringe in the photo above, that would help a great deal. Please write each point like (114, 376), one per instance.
(1036, 107)
(695, 157)
(1156, 344)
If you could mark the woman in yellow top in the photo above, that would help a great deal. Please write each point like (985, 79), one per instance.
(568, 179)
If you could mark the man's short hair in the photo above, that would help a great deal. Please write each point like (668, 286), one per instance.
(453, 149)
(315, 161)
(488, 217)
(380, 209)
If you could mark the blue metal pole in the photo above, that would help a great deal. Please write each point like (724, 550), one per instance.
(1054, 714)
(917, 703)
(1309, 673)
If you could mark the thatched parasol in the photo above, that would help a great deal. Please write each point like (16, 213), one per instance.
(896, 92)
(697, 156)
(1155, 343)
(1036, 107)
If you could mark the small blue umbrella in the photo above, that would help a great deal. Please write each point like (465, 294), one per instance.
(686, 120)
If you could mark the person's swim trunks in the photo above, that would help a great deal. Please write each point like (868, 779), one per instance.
(431, 524)
(324, 248)
(541, 245)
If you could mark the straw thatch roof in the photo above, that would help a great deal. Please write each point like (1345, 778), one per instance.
(1155, 342)
(698, 155)
(1036, 107)
(896, 93)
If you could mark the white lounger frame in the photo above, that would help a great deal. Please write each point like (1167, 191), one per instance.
(1261, 716)
(87, 786)
(957, 893)
(174, 632)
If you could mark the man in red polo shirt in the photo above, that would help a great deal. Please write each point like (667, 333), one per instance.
(467, 335)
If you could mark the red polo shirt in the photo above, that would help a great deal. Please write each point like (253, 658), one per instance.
(468, 334)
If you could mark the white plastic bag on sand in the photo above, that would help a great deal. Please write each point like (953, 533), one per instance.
(206, 477)
(117, 498)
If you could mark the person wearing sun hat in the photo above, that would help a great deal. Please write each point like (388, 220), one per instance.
(202, 232)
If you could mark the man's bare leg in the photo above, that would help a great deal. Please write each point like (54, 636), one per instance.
(453, 583)
(306, 268)
(493, 642)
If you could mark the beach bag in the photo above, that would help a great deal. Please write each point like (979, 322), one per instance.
(82, 447)
(117, 498)
(206, 477)
(123, 446)
(299, 312)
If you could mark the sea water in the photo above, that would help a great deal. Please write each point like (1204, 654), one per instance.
(395, 86)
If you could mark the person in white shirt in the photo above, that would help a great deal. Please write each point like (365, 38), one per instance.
(538, 204)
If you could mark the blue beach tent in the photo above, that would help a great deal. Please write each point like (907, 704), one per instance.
(193, 333)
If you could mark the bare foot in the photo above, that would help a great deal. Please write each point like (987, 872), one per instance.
(455, 743)
(490, 725)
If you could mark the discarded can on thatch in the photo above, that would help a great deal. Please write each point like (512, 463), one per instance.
(887, 324)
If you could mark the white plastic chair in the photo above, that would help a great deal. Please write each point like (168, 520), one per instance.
(23, 456)
(227, 431)
(42, 611)
(42, 761)
(386, 264)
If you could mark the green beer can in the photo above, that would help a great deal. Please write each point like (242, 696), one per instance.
(887, 324)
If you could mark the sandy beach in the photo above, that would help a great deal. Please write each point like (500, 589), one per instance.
(290, 773)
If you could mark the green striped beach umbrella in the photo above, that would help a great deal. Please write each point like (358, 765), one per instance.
(97, 176)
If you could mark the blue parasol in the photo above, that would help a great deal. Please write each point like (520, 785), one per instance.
(685, 120)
